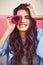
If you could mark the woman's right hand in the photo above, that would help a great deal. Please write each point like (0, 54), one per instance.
(9, 30)
(11, 26)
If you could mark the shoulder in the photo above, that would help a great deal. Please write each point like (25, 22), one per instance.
(39, 33)
(39, 49)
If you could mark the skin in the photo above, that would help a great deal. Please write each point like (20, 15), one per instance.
(22, 28)
(9, 30)
(33, 14)
(24, 24)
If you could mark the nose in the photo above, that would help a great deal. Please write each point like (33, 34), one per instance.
(23, 19)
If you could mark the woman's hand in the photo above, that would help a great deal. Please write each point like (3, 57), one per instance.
(31, 10)
(11, 26)
(9, 30)
(33, 14)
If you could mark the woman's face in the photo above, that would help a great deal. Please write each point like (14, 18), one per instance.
(25, 22)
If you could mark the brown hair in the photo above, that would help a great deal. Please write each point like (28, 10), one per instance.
(16, 42)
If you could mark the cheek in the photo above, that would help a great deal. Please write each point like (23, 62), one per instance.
(18, 26)
(26, 27)
(28, 23)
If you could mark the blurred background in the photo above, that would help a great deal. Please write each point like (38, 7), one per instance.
(7, 6)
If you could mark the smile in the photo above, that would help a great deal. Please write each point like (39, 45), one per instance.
(23, 25)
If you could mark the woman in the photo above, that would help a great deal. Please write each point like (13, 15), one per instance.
(21, 38)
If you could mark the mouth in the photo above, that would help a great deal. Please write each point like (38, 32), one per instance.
(22, 25)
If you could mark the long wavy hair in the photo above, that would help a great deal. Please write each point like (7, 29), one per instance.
(16, 41)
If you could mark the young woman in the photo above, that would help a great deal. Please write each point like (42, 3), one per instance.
(19, 40)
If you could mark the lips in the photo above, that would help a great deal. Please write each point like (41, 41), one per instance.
(22, 25)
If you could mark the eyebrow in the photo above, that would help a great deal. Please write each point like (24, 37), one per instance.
(26, 16)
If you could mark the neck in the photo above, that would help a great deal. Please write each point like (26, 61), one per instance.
(23, 35)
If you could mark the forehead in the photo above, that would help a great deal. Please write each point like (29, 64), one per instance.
(22, 12)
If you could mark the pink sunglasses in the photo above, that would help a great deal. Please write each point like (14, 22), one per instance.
(16, 19)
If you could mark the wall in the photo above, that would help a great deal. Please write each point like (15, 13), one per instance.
(7, 6)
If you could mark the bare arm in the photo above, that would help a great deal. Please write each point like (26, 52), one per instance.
(10, 28)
